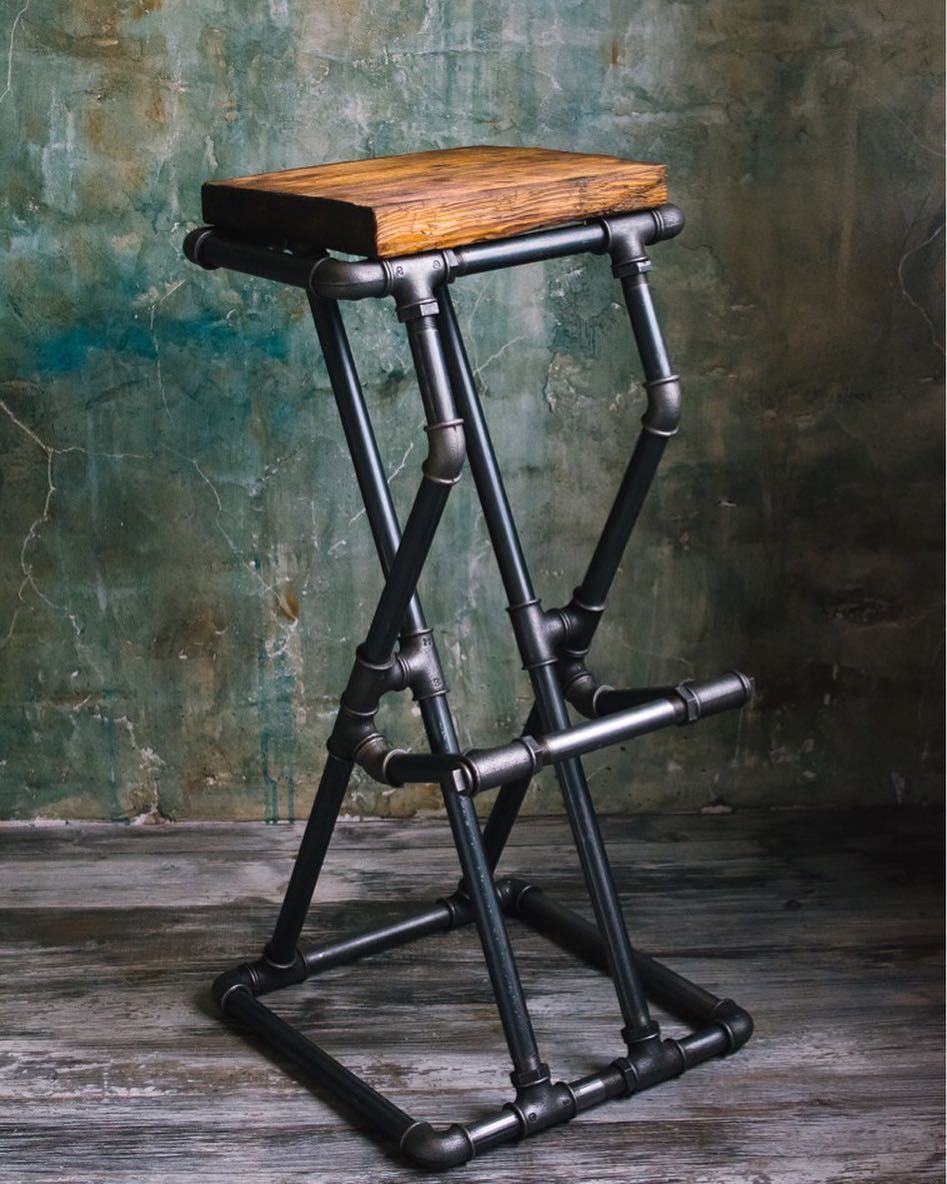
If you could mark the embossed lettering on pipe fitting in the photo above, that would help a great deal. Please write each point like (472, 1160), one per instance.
(420, 666)
(410, 280)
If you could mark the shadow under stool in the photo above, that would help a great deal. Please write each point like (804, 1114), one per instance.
(419, 223)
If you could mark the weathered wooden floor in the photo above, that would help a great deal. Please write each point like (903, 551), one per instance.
(114, 1067)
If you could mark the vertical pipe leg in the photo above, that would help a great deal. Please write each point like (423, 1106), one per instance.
(436, 715)
(659, 424)
(441, 471)
(281, 949)
(507, 805)
(491, 925)
(540, 661)
(370, 474)
(438, 398)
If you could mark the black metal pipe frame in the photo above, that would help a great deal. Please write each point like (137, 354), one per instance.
(553, 646)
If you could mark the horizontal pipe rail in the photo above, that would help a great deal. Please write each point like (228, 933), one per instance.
(444, 1147)
(339, 279)
(593, 237)
(388, 1118)
(478, 770)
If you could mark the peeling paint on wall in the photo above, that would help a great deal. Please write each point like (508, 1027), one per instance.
(185, 565)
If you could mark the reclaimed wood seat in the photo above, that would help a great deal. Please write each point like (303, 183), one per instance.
(399, 205)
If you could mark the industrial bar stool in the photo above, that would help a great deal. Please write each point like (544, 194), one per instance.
(420, 222)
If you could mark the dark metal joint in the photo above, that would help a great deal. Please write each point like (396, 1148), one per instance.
(737, 1023)
(490, 767)
(354, 731)
(369, 681)
(641, 1035)
(420, 666)
(447, 449)
(239, 978)
(192, 246)
(541, 1104)
(457, 905)
(632, 266)
(579, 686)
(691, 702)
(339, 279)
(523, 1078)
(556, 625)
(437, 1150)
(373, 754)
(580, 621)
(698, 699)
(413, 282)
(268, 975)
(626, 242)
(650, 1063)
(532, 634)
(668, 221)
(663, 414)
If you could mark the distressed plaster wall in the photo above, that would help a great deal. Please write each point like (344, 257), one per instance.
(184, 568)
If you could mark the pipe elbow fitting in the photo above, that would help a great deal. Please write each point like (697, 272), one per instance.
(437, 1150)
(447, 449)
(663, 415)
(580, 687)
(373, 754)
(239, 979)
(336, 279)
(737, 1023)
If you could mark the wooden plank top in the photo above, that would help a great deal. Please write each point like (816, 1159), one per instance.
(400, 205)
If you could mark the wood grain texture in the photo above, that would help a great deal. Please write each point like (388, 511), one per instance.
(115, 1069)
(399, 205)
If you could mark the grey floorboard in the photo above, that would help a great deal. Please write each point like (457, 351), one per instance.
(828, 926)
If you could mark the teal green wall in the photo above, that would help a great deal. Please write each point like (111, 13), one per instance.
(184, 569)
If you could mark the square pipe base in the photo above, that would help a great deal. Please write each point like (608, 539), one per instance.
(719, 1027)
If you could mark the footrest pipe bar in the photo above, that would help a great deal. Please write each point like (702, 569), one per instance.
(438, 919)
(486, 768)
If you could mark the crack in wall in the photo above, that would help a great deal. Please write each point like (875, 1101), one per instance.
(925, 315)
(33, 534)
(13, 27)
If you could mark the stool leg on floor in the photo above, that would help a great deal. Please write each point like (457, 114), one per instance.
(439, 726)
(506, 807)
(281, 948)
(539, 659)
